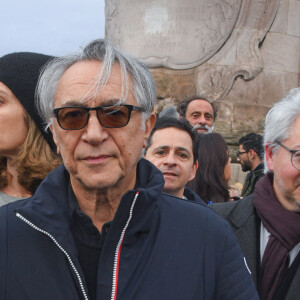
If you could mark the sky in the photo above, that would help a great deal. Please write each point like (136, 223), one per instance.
(55, 27)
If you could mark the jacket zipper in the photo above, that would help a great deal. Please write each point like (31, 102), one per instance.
(61, 248)
(118, 252)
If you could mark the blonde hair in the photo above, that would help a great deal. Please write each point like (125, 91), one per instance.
(34, 161)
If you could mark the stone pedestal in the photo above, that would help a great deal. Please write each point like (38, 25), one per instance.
(242, 54)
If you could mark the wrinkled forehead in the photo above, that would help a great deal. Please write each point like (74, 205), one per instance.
(200, 105)
(83, 82)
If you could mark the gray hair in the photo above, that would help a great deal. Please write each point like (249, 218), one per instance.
(100, 50)
(280, 120)
(170, 111)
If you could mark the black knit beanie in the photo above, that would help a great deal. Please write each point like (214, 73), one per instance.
(20, 72)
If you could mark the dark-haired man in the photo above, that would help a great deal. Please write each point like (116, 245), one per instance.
(199, 112)
(172, 148)
(250, 156)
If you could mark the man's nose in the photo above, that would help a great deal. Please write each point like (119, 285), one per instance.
(94, 132)
(202, 120)
(170, 160)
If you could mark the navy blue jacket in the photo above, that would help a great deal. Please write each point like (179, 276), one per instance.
(192, 196)
(157, 247)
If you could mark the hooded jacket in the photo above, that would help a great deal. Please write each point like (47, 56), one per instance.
(157, 247)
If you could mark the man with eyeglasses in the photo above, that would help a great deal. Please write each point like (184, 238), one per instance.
(267, 222)
(100, 226)
(250, 155)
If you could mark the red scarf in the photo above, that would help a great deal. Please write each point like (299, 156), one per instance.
(283, 226)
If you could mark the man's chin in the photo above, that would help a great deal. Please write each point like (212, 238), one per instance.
(202, 130)
(96, 182)
(246, 168)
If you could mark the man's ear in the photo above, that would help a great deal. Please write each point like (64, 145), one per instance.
(54, 138)
(149, 124)
(252, 154)
(269, 157)
(193, 173)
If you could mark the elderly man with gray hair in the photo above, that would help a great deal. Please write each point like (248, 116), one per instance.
(100, 226)
(267, 223)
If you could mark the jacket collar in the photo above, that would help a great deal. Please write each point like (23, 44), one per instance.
(242, 211)
(49, 207)
(246, 222)
(192, 196)
(259, 168)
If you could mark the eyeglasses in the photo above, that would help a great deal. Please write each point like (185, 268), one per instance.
(238, 153)
(295, 155)
(109, 116)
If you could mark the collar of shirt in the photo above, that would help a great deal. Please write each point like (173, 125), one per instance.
(82, 226)
(264, 237)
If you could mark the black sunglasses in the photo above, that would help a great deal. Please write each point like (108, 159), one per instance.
(109, 116)
(238, 153)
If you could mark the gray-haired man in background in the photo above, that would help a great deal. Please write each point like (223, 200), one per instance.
(267, 222)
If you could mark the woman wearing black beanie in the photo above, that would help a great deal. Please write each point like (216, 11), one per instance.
(27, 152)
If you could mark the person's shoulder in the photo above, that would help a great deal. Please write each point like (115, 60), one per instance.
(191, 195)
(182, 202)
(8, 220)
(241, 208)
(10, 207)
(199, 212)
(9, 210)
(225, 207)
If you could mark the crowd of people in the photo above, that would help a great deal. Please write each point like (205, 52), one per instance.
(102, 199)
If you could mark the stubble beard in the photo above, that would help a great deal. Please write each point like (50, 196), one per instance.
(246, 166)
(289, 195)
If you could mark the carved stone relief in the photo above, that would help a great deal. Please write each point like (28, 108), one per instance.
(240, 56)
(220, 39)
(173, 34)
(250, 62)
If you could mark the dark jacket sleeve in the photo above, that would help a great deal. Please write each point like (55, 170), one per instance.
(234, 280)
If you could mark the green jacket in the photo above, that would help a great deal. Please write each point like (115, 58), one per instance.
(251, 180)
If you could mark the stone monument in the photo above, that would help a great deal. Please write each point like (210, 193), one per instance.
(242, 54)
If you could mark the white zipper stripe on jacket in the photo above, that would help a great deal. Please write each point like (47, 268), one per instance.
(118, 251)
(60, 247)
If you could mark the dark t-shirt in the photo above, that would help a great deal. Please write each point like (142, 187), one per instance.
(89, 243)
